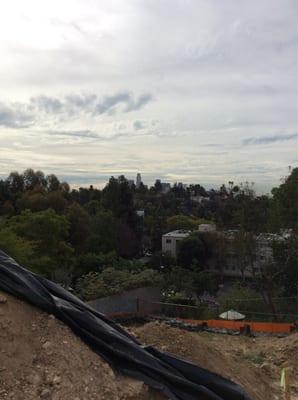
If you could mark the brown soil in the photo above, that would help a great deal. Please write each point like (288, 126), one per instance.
(40, 358)
(254, 363)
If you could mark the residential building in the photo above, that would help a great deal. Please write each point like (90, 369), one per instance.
(226, 260)
(199, 199)
(171, 239)
(235, 265)
(207, 228)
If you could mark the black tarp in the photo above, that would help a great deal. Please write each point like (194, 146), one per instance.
(176, 378)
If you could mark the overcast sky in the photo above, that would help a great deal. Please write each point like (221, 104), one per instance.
(201, 91)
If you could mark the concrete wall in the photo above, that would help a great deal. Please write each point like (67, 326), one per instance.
(169, 245)
(133, 301)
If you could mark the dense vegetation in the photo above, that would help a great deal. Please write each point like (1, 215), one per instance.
(90, 239)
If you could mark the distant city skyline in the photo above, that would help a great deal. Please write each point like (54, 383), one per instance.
(100, 182)
(199, 91)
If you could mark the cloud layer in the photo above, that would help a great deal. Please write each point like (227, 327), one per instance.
(182, 90)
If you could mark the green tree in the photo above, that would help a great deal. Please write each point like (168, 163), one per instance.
(48, 232)
(91, 262)
(284, 208)
(79, 226)
(184, 222)
(57, 201)
(285, 254)
(19, 248)
(244, 300)
(190, 283)
(118, 197)
(191, 249)
(33, 199)
(52, 182)
(103, 233)
(113, 281)
(244, 246)
(15, 182)
(33, 178)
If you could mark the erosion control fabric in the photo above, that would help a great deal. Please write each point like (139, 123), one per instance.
(176, 378)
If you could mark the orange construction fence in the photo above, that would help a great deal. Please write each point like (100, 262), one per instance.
(269, 327)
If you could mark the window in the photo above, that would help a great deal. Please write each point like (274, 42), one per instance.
(168, 241)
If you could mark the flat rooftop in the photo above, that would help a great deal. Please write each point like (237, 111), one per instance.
(179, 233)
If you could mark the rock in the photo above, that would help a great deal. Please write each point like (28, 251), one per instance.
(46, 345)
(265, 366)
(3, 300)
(34, 379)
(57, 380)
(45, 394)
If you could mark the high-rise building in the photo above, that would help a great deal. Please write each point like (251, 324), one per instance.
(138, 180)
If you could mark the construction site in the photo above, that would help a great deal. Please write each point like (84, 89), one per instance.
(41, 358)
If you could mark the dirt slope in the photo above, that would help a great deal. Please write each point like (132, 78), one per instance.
(40, 358)
(253, 363)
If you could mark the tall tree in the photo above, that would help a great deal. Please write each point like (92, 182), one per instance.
(190, 250)
(284, 210)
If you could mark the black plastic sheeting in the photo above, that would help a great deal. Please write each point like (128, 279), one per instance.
(176, 378)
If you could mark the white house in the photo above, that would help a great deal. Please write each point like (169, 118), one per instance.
(207, 228)
(170, 239)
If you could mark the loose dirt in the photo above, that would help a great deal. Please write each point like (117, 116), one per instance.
(254, 363)
(41, 358)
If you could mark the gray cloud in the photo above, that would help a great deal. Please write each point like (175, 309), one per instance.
(138, 125)
(140, 102)
(90, 103)
(79, 134)
(87, 134)
(81, 101)
(132, 104)
(109, 102)
(48, 104)
(14, 117)
(270, 139)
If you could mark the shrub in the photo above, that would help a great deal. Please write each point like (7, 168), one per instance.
(113, 281)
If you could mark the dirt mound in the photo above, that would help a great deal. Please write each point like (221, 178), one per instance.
(280, 353)
(40, 358)
(283, 351)
(253, 363)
